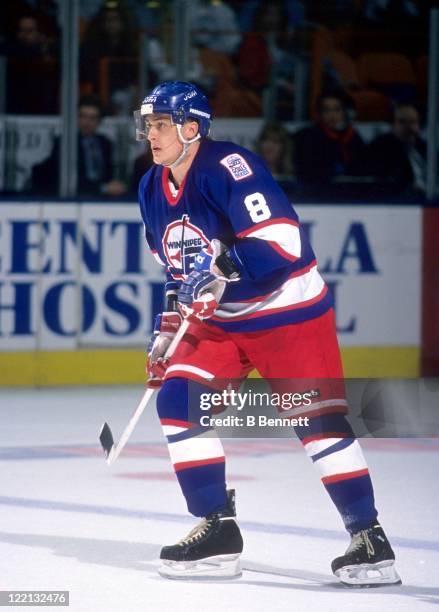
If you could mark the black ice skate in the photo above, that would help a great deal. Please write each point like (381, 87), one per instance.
(369, 560)
(210, 550)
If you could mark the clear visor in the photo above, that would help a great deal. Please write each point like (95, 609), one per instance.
(142, 121)
(142, 126)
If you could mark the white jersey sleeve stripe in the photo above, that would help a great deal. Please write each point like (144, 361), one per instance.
(295, 274)
(282, 234)
(296, 292)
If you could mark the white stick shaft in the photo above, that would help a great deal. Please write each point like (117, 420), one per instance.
(116, 450)
(176, 341)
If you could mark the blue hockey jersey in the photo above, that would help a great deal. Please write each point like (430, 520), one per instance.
(229, 194)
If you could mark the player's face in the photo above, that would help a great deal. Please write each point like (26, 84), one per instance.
(163, 139)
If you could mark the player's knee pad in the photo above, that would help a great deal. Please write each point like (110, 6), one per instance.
(172, 400)
(179, 402)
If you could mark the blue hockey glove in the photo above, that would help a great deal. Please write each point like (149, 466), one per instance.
(217, 260)
(201, 293)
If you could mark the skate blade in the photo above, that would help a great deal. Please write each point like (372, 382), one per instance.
(369, 574)
(212, 568)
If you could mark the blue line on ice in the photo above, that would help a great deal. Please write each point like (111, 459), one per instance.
(42, 504)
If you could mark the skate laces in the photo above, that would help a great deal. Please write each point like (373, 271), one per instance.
(359, 540)
(196, 533)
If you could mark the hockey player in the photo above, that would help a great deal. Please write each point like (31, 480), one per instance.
(239, 264)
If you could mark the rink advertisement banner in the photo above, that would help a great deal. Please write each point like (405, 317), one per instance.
(81, 276)
(310, 408)
(75, 276)
(370, 256)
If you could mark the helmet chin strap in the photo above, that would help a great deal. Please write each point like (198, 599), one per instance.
(185, 144)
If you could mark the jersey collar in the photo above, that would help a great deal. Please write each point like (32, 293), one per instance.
(172, 200)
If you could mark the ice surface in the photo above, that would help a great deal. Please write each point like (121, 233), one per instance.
(68, 522)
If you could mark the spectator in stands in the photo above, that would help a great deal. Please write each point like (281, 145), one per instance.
(334, 13)
(110, 35)
(267, 58)
(161, 50)
(32, 69)
(214, 26)
(46, 13)
(408, 18)
(398, 159)
(145, 14)
(213, 71)
(391, 12)
(248, 8)
(274, 145)
(30, 40)
(331, 147)
(95, 159)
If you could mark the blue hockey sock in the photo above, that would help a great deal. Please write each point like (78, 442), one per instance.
(196, 452)
(331, 445)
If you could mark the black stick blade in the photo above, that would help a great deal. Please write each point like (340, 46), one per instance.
(106, 438)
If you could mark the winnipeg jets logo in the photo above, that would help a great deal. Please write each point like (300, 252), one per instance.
(181, 242)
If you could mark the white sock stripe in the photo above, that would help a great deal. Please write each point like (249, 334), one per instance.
(195, 449)
(171, 430)
(349, 459)
(317, 446)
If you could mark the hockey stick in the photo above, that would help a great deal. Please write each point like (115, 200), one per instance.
(113, 451)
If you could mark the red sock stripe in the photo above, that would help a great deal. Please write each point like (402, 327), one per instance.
(184, 465)
(346, 476)
(177, 423)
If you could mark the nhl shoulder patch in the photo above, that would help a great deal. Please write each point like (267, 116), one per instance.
(237, 166)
